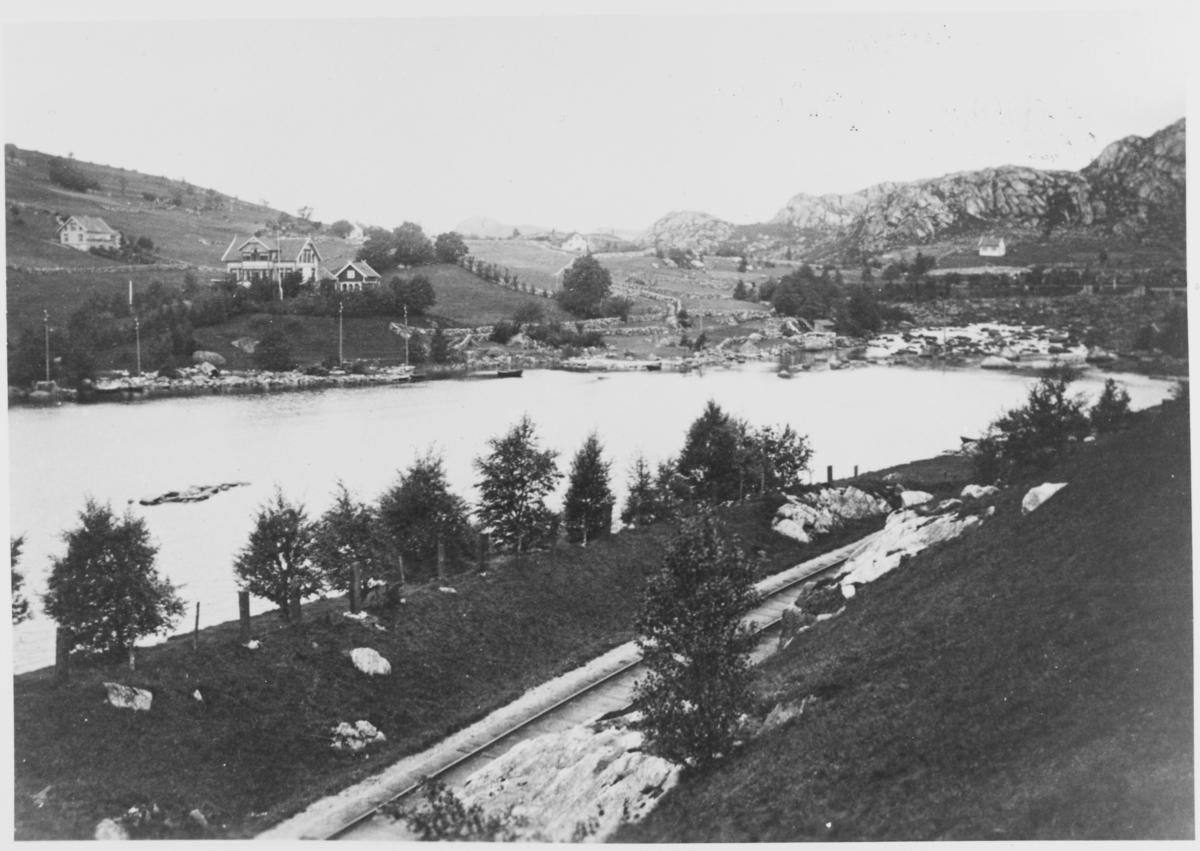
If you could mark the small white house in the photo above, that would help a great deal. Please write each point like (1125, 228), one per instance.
(84, 232)
(991, 246)
(575, 242)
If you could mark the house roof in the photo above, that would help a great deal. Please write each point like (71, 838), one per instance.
(289, 247)
(991, 241)
(91, 224)
(359, 266)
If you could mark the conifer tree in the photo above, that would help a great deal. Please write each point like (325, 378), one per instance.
(587, 508)
(516, 477)
(420, 509)
(20, 606)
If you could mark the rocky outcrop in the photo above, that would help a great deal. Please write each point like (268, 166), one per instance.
(817, 513)
(688, 229)
(1136, 185)
(906, 533)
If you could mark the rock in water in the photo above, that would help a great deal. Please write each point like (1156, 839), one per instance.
(1040, 494)
(370, 662)
(128, 697)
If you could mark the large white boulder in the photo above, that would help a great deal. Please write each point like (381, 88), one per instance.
(979, 491)
(995, 362)
(111, 831)
(558, 781)
(370, 662)
(208, 357)
(910, 499)
(128, 697)
(1040, 494)
(793, 529)
(906, 533)
(819, 512)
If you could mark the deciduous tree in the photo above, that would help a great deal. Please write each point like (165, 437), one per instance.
(279, 553)
(696, 649)
(419, 509)
(346, 535)
(106, 590)
(449, 247)
(585, 285)
(515, 479)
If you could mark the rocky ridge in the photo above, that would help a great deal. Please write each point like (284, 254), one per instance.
(1136, 186)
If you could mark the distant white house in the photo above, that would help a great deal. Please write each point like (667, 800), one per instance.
(84, 232)
(355, 275)
(575, 242)
(264, 258)
(991, 246)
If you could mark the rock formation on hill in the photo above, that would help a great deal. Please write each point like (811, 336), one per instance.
(1135, 187)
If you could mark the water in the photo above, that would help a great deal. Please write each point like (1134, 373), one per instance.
(304, 442)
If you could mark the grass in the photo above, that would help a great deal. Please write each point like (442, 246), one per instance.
(1031, 680)
(534, 262)
(467, 299)
(256, 749)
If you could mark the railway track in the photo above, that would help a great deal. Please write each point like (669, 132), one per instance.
(612, 690)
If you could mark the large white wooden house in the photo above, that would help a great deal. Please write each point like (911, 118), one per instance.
(84, 232)
(575, 242)
(991, 246)
(266, 258)
(356, 275)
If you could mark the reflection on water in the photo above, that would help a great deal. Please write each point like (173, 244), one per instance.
(304, 442)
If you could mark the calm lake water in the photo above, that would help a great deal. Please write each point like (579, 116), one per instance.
(872, 417)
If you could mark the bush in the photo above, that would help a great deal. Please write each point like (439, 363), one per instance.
(65, 174)
(503, 331)
(445, 818)
(278, 554)
(1110, 409)
(274, 352)
(1038, 433)
(695, 646)
(106, 591)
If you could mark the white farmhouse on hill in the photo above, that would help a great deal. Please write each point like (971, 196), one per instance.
(84, 232)
(991, 246)
(264, 258)
(575, 242)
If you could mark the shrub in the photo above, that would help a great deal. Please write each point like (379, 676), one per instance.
(445, 818)
(1037, 433)
(695, 646)
(65, 174)
(503, 331)
(274, 352)
(106, 591)
(1110, 409)
(279, 554)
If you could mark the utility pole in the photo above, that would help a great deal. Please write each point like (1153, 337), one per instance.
(406, 334)
(137, 332)
(46, 329)
(341, 360)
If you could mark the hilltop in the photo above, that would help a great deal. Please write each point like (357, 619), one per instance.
(1134, 190)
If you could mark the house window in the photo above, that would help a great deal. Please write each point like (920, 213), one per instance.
(350, 274)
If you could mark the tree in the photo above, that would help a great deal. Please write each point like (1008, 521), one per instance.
(644, 503)
(740, 293)
(1038, 432)
(861, 315)
(420, 509)
(516, 477)
(711, 456)
(378, 250)
(695, 647)
(413, 247)
(274, 352)
(1111, 409)
(415, 293)
(587, 507)
(343, 537)
(291, 282)
(585, 285)
(779, 456)
(279, 554)
(20, 606)
(439, 346)
(106, 591)
(341, 228)
(449, 247)
(305, 213)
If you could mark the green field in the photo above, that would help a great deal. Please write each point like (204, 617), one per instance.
(534, 262)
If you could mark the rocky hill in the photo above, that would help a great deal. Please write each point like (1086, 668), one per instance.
(1136, 187)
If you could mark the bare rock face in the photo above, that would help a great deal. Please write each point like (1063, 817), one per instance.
(820, 512)
(688, 230)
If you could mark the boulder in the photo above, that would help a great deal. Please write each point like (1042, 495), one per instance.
(206, 369)
(355, 737)
(128, 697)
(1040, 494)
(792, 528)
(370, 662)
(110, 831)
(979, 491)
(208, 357)
(910, 499)
(995, 362)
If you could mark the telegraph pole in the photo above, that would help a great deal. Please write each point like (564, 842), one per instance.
(46, 329)
(406, 333)
(137, 333)
(341, 360)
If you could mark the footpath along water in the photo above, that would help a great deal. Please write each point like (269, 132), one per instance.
(304, 442)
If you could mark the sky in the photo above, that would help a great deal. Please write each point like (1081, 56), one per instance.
(582, 120)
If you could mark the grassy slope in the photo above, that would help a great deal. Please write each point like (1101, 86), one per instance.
(256, 749)
(1031, 680)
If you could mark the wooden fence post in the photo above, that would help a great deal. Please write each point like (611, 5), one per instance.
(244, 616)
(196, 628)
(62, 655)
(829, 473)
(355, 588)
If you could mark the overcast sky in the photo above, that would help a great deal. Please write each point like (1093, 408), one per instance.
(581, 122)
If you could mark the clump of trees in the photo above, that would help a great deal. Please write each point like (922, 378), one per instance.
(407, 245)
(66, 174)
(106, 591)
(587, 291)
(695, 646)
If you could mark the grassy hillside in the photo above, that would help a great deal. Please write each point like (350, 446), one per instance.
(1031, 680)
